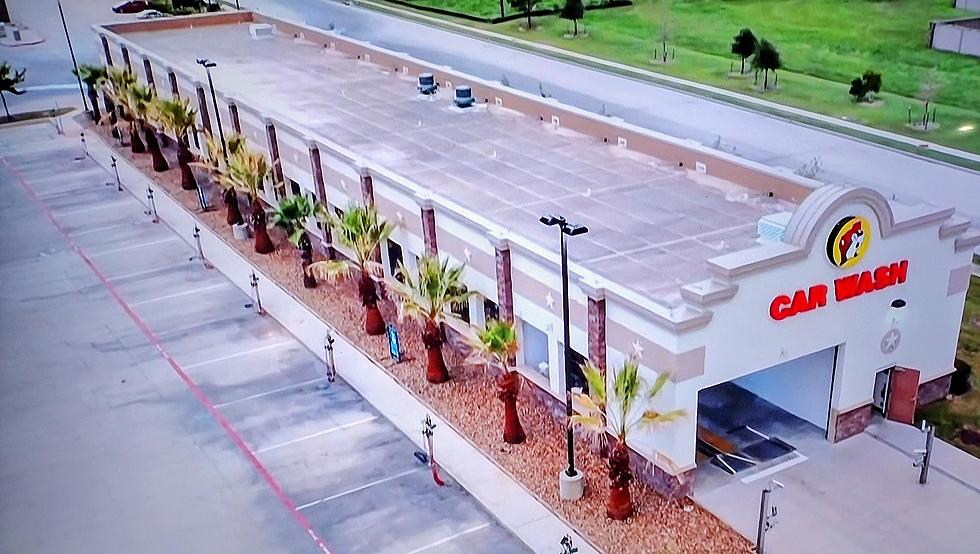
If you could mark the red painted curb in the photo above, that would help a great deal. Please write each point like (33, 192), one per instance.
(201, 396)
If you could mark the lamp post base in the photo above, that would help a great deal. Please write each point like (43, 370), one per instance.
(571, 488)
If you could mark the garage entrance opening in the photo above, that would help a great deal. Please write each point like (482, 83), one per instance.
(760, 420)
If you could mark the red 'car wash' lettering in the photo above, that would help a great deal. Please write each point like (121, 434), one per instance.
(805, 300)
(867, 281)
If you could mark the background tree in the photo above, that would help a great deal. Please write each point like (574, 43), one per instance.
(744, 45)
(928, 90)
(176, 116)
(666, 31)
(617, 410)
(525, 7)
(573, 10)
(92, 75)
(362, 230)
(427, 300)
(496, 345)
(866, 86)
(9, 79)
(766, 59)
(245, 172)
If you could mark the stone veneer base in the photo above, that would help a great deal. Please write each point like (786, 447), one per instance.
(850, 423)
(935, 390)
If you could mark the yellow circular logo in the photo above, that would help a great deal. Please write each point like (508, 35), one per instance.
(848, 241)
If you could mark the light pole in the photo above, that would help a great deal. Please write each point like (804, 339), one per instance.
(74, 64)
(572, 230)
(207, 65)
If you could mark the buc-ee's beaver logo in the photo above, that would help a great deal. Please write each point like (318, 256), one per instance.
(848, 241)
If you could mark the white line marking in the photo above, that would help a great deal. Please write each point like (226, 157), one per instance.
(106, 228)
(318, 434)
(449, 538)
(66, 86)
(133, 246)
(362, 487)
(757, 433)
(237, 354)
(269, 392)
(799, 459)
(139, 273)
(179, 294)
(105, 206)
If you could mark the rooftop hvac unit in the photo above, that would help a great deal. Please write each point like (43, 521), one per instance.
(260, 30)
(464, 96)
(427, 84)
(773, 226)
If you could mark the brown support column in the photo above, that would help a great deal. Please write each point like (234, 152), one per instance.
(367, 187)
(597, 324)
(321, 194)
(236, 122)
(174, 89)
(105, 50)
(125, 53)
(278, 181)
(202, 107)
(148, 70)
(505, 285)
(428, 226)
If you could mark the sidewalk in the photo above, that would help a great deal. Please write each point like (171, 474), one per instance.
(513, 506)
(946, 458)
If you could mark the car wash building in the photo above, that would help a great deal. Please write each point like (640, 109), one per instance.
(760, 292)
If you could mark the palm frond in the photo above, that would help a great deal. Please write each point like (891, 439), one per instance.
(291, 216)
(653, 417)
(330, 270)
(361, 229)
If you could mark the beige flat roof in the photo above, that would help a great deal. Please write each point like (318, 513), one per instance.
(652, 226)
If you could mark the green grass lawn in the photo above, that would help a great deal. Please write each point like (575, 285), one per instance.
(824, 44)
(950, 415)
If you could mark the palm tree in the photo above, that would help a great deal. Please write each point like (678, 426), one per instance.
(362, 230)
(92, 76)
(141, 101)
(495, 346)
(176, 116)
(620, 413)
(291, 216)
(116, 87)
(214, 164)
(9, 79)
(245, 172)
(427, 300)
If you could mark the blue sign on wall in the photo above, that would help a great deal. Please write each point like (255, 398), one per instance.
(394, 347)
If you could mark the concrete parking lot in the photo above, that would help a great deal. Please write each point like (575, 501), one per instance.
(145, 409)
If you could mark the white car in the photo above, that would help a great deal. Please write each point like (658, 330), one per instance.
(150, 14)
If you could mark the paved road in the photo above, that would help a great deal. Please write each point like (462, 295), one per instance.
(144, 409)
(749, 134)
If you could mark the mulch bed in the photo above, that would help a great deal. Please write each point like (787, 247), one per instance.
(469, 403)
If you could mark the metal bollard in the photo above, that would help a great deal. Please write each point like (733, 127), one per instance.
(202, 199)
(116, 171)
(328, 357)
(84, 148)
(200, 249)
(767, 515)
(151, 205)
(256, 302)
(427, 431)
(566, 545)
(924, 456)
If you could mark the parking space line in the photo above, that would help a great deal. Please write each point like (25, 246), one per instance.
(318, 434)
(449, 538)
(362, 487)
(223, 284)
(236, 354)
(269, 392)
(106, 228)
(140, 273)
(133, 246)
(104, 206)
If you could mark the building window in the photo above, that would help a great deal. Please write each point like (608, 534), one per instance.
(339, 212)
(314, 200)
(395, 260)
(490, 310)
(295, 188)
(461, 309)
(535, 348)
(576, 375)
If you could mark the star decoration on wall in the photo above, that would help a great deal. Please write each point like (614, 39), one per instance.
(343, 184)
(637, 349)
(550, 300)
(467, 254)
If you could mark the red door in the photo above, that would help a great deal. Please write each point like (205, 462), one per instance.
(903, 389)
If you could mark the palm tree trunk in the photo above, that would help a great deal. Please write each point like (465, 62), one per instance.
(5, 110)
(374, 322)
(187, 180)
(619, 506)
(306, 254)
(233, 215)
(135, 142)
(508, 387)
(93, 99)
(153, 145)
(435, 368)
(575, 26)
(110, 110)
(741, 71)
(765, 82)
(263, 243)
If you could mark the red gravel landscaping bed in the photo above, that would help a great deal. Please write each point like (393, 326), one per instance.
(469, 403)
